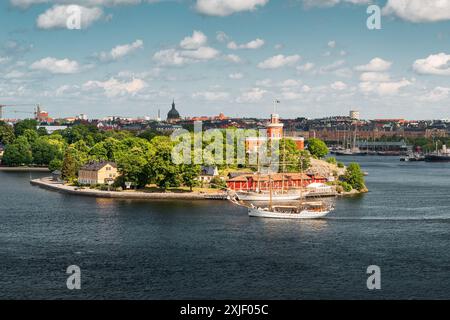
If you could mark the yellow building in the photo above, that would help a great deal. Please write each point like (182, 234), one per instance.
(97, 173)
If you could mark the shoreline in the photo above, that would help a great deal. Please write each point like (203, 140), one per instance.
(24, 169)
(49, 184)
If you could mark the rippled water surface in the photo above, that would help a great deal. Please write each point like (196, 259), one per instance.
(212, 249)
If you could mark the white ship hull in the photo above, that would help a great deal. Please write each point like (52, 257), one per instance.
(305, 214)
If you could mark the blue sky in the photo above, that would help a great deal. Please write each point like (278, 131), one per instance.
(132, 57)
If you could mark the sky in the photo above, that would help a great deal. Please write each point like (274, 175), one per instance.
(317, 57)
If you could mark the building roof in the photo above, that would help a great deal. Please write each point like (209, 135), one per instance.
(173, 113)
(275, 177)
(95, 166)
(208, 171)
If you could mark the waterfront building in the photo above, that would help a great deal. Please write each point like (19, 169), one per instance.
(280, 181)
(207, 173)
(173, 116)
(95, 173)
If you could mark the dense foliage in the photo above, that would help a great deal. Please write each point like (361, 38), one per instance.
(317, 148)
(354, 177)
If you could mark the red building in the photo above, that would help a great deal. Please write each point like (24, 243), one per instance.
(274, 132)
(250, 182)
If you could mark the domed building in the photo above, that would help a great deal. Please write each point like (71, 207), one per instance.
(173, 115)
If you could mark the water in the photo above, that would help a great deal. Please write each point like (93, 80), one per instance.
(212, 249)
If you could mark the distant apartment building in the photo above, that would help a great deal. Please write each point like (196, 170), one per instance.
(95, 173)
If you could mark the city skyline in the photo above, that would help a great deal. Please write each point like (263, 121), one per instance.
(317, 57)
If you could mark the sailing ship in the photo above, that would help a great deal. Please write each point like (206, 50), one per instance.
(306, 210)
(348, 150)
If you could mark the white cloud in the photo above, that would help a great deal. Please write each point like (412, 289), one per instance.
(114, 88)
(437, 94)
(332, 44)
(27, 3)
(278, 46)
(435, 64)
(58, 15)
(174, 57)
(375, 65)
(233, 58)
(197, 40)
(384, 88)
(339, 85)
(374, 77)
(254, 44)
(211, 95)
(419, 10)
(121, 51)
(4, 59)
(331, 3)
(290, 83)
(202, 53)
(306, 67)
(236, 76)
(192, 49)
(252, 95)
(224, 8)
(55, 66)
(222, 36)
(279, 61)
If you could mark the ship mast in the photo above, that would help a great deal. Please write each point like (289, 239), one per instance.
(270, 192)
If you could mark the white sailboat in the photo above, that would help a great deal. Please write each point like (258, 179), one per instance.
(306, 210)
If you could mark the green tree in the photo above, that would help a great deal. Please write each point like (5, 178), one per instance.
(289, 156)
(70, 166)
(354, 176)
(304, 160)
(6, 134)
(55, 164)
(21, 126)
(317, 148)
(18, 153)
(45, 150)
(190, 174)
(132, 166)
(218, 183)
(98, 152)
(30, 135)
(161, 169)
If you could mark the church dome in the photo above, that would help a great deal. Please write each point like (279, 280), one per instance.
(173, 113)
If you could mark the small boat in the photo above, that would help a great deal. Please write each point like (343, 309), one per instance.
(311, 210)
(413, 157)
